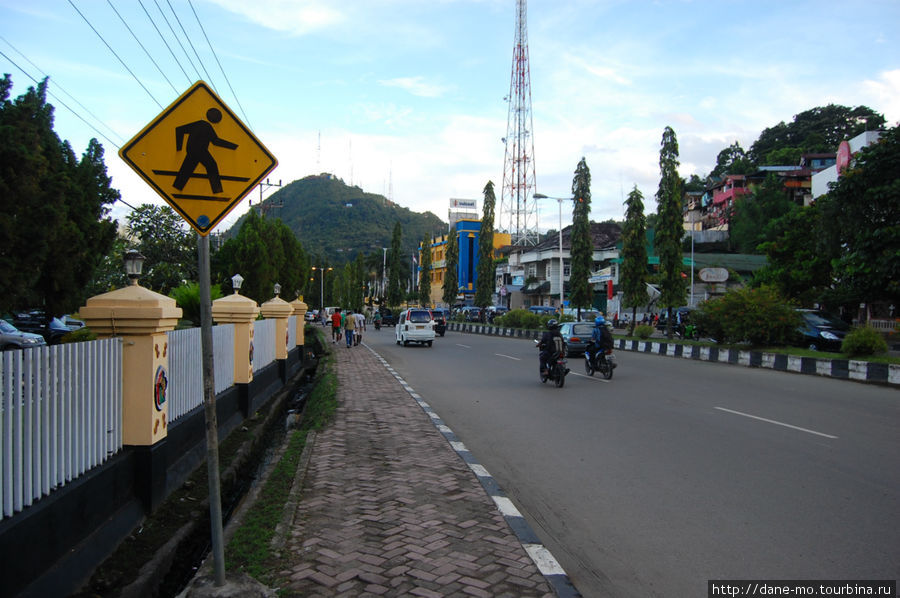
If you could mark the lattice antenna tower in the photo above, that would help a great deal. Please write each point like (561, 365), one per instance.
(518, 207)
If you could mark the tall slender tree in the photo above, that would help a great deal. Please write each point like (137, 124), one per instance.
(54, 224)
(425, 279)
(582, 250)
(670, 227)
(395, 282)
(451, 263)
(484, 283)
(633, 273)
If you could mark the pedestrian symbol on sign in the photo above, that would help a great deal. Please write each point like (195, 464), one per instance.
(199, 157)
(200, 134)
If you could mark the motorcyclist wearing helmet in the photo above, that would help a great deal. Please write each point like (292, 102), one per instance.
(601, 339)
(552, 345)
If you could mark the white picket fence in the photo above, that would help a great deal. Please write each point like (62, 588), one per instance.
(263, 343)
(186, 367)
(61, 406)
(60, 416)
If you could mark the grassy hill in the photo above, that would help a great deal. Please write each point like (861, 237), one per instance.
(336, 221)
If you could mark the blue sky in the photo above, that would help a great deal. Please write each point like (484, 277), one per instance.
(407, 96)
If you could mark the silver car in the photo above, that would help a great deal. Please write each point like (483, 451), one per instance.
(13, 338)
(577, 335)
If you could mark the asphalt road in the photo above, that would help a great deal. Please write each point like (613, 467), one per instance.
(675, 471)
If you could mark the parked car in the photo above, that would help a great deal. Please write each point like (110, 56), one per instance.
(37, 322)
(577, 335)
(471, 313)
(820, 331)
(415, 326)
(587, 315)
(439, 316)
(543, 310)
(13, 338)
(495, 311)
(72, 323)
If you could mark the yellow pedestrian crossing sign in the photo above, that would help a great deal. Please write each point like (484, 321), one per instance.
(199, 157)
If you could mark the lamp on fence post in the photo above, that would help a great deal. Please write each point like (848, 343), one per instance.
(279, 310)
(236, 281)
(141, 319)
(134, 264)
(240, 311)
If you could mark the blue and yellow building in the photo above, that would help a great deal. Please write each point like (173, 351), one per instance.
(467, 234)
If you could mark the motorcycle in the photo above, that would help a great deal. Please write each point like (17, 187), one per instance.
(378, 324)
(603, 362)
(557, 369)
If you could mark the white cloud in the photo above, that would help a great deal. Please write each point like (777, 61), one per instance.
(416, 86)
(297, 17)
(885, 93)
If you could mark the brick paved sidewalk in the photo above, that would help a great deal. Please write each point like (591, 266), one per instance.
(389, 508)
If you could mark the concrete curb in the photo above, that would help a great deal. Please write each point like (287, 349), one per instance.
(843, 369)
(543, 559)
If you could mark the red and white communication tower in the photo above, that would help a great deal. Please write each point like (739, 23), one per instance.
(518, 208)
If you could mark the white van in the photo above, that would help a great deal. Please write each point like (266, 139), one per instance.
(415, 326)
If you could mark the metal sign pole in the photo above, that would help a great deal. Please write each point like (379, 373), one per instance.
(209, 406)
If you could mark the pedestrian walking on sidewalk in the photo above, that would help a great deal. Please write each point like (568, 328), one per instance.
(349, 327)
(360, 327)
(336, 326)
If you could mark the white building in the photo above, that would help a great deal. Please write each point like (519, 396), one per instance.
(846, 151)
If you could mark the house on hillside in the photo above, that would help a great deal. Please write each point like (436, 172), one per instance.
(844, 157)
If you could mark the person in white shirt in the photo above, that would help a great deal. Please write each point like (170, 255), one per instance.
(360, 326)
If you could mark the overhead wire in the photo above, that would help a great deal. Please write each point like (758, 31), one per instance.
(60, 87)
(54, 96)
(116, 55)
(121, 18)
(216, 56)
(177, 39)
(162, 37)
(191, 44)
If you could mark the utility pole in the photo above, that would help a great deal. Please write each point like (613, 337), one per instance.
(264, 208)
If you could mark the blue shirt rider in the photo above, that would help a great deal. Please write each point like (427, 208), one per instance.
(600, 337)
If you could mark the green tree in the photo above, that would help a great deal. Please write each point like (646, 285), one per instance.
(170, 247)
(633, 273)
(582, 247)
(819, 129)
(187, 297)
(798, 258)
(54, 223)
(670, 227)
(425, 279)
(863, 208)
(732, 160)
(395, 282)
(451, 263)
(484, 277)
(754, 215)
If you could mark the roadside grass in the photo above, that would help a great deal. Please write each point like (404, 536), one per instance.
(250, 548)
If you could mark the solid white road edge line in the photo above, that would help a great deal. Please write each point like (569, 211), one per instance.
(777, 423)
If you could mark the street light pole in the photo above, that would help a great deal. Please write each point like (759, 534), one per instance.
(322, 286)
(561, 277)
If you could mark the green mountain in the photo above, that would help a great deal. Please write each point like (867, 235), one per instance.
(337, 221)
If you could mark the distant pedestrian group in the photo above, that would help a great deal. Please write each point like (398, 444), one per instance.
(349, 326)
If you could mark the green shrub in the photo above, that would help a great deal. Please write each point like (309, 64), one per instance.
(643, 331)
(187, 297)
(760, 317)
(864, 341)
(79, 336)
(520, 318)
